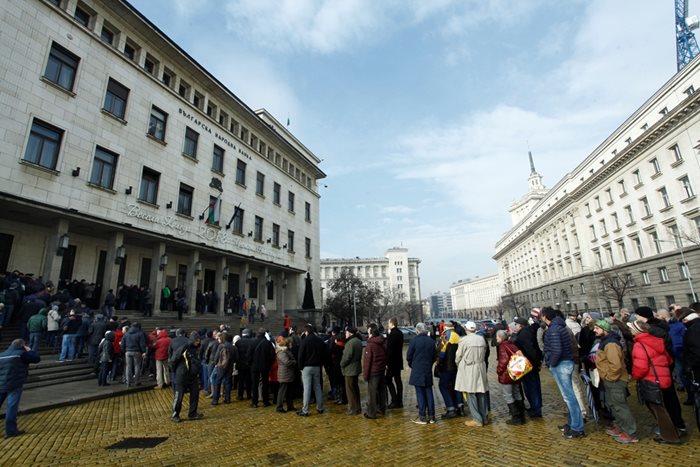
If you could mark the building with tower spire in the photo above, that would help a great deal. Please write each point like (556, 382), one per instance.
(535, 192)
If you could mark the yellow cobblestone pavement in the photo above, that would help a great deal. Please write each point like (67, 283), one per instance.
(236, 434)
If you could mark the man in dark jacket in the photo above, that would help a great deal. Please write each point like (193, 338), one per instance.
(96, 332)
(447, 370)
(110, 300)
(351, 366)
(226, 358)
(14, 364)
(394, 365)
(134, 346)
(311, 355)
(526, 341)
(244, 345)
(37, 326)
(373, 370)
(691, 354)
(559, 358)
(70, 330)
(261, 355)
(420, 357)
(186, 365)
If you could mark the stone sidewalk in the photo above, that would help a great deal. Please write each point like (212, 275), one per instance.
(237, 434)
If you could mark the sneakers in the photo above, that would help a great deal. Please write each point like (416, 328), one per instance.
(175, 419)
(473, 424)
(614, 431)
(571, 434)
(564, 428)
(449, 414)
(197, 416)
(420, 421)
(663, 441)
(624, 438)
(301, 413)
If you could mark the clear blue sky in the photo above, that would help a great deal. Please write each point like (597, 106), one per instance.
(423, 111)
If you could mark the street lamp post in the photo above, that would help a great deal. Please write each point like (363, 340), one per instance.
(595, 284)
(354, 307)
(679, 243)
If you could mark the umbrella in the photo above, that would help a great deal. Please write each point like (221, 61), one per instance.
(308, 303)
(589, 392)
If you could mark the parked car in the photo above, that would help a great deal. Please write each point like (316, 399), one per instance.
(487, 326)
(408, 333)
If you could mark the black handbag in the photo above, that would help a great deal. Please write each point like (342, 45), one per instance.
(649, 392)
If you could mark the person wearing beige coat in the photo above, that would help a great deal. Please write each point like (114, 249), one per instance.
(471, 374)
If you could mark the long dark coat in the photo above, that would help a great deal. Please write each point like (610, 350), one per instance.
(420, 358)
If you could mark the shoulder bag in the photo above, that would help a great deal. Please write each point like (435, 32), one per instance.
(518, 365)
(649, 392)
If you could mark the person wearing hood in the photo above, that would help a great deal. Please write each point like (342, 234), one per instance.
(96, 332)
(558, 356)
(286, 366)
(53, 318)
(37, 326)
(14, 365)
(373, 371)
(105, 356)
(160, 350)
(651, 362)
(186, 364)
(610, 361)
(351, 366)
(134, 348)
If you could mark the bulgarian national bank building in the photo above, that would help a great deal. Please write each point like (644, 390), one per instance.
(124, 161)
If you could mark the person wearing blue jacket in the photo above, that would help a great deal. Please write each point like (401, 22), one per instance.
(14, 366)
(420, 357)
(559, 357)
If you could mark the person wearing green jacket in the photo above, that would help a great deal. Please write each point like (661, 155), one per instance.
(351, 367)
(37, 327)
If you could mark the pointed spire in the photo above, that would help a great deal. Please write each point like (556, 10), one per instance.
(532, 164)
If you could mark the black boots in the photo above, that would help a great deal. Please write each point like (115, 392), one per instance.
(517, 413)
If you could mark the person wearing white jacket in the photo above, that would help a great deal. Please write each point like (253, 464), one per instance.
(52, 324)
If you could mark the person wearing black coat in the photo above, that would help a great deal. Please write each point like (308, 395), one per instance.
(96, 332)
(185, 362)
(244, 346)
(420, 357)
(394, 365)
(312, 353)
(526, 341)
(261, 355)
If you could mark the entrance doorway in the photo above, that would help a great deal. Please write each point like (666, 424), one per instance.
(5, 250)
(145, 276)
(68, 263)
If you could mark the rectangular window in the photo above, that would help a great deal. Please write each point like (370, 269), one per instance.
(43, 145)
(103, 168)
(651, 303)
(157, 123)
(676, 234)
(623, 251)
(191, 139)
(107, 35)
(603, 228)
(608, 194)
(115, 99)
(583, 288)
(167, 77)
(214, 211)
(184, 90)
(290, 202)
(258, 232)
(592, 229)
(307, 211)
(615, 221)
(217, 159)
(630, 280)
(150, 64)
(238, 221)
(630, 215)
(260, 184)
(655, 166)
(638, 246)
(596, 201)
(664, 197)
(307, 247)
(687, 187)
(184, 200)
(676, 151)
(61, 67)
(276, 188)
(646, 209)
(150, 180)
(663, 274)
(645, 278)
(623, 189)
(82, 16)
(240, 172)
(670, 300)
(275, 235)
(683, 270)
(655, 241)
(130, 50)
(637, 178)
(290, 241)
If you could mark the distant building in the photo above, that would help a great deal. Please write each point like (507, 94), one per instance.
(394, 272)
(477, 298)
(440, 304)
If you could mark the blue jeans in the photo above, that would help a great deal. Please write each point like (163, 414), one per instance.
(68, 347)
(311, 377)
(34, 339)
(225, 378)
(424, 397)
(204, 378)
(533, 392)
(562, 375)
(447, 386)
(12, 398)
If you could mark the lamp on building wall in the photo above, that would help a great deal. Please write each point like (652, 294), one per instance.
(226, 272)
(75, 172)
(284, 284)
(268, 280)
(248, 276)
(63, 243)
(269, 240)
(163, 261)
(129, 190)
(250, 234)
(121, 254)
(284, 246)
(169, 205)
(197, 268)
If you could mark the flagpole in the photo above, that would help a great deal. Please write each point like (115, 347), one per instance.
(209, 206)
(235, 212)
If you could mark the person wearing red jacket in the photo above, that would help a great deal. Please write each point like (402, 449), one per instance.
(509, 388)
(116, 363)
(160, 347)
(373, 368)
(651, 362)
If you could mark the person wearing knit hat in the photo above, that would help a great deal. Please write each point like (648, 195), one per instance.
(690, 317)
(610, 362)
(645, 312)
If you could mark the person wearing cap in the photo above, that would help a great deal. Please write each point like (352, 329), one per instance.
(351, 367)
(471, 374)
(690, 317)
(559, 358)
(14, 366)
(660, 328)
(525, 339)
(610, 361)
(651, 362)
(420, 358)
(187, 366)
(446, 370)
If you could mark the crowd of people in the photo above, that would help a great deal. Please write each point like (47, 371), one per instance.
(591, 357)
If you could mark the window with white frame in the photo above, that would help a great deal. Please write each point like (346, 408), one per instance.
(615, 221)
(630, 215)
(646, 208)
(664, 197)
(637, 177)
(676, 234)
(592, 229)
(587, 206)
(676, 151)
(638, 246)
(645, 278)
(603, 228)
(623, 188)
(684, 271)
(596, 201)
(630, 280)
(687, 187)
(623, 251)
(655, 166)
(655, 241)
(663, 274)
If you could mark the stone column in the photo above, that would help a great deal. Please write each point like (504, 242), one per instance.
(52, 261)
(191, 285)
(243, 279)
(111, 267)
(157, 277)
(220, 284)
(263, 298)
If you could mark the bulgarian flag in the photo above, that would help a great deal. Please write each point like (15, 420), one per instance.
(214, 211)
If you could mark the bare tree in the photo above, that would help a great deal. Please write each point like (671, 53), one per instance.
(615, 285)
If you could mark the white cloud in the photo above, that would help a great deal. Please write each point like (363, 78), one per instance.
(186, 8)
(396, 210)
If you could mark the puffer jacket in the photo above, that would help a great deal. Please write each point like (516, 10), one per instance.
(677, 332)
(286, 365)
(14, 366)
(54, 319)
(504, 350)
(557, 343)
(655, 348)
(375, 357)
(162, 345)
